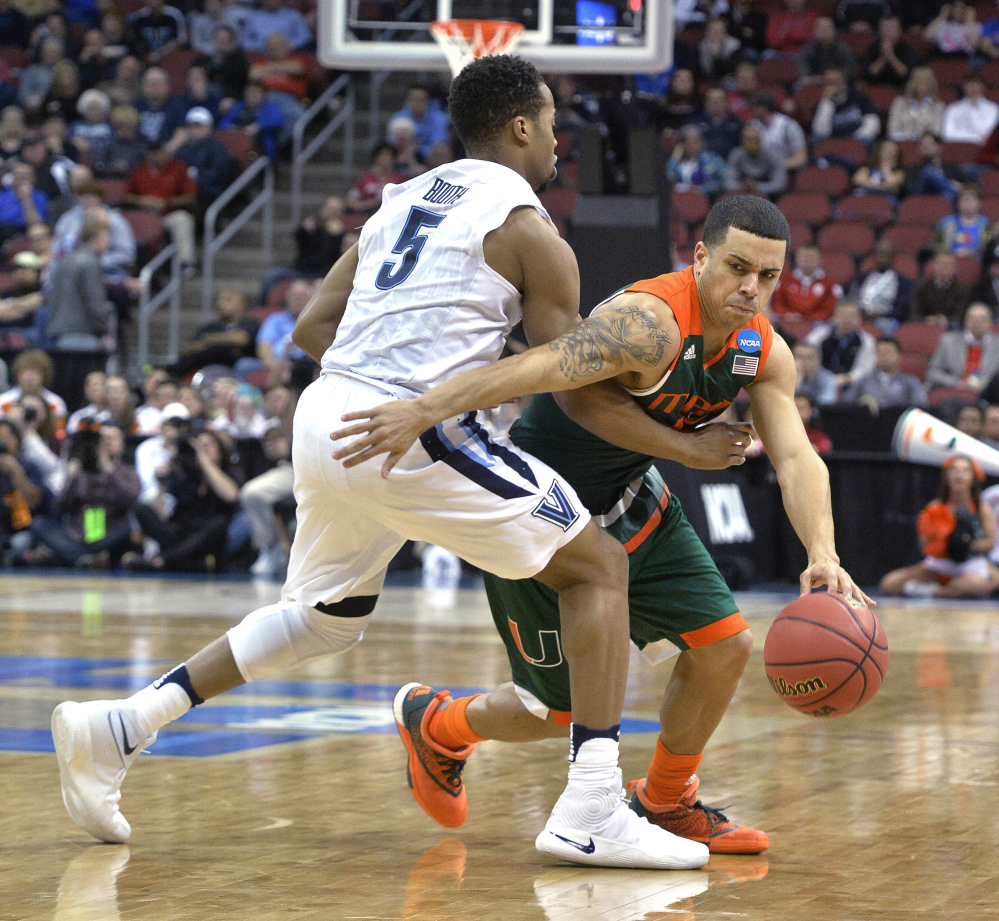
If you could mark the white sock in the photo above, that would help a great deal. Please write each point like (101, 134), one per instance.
(596, 764)
(155, 706)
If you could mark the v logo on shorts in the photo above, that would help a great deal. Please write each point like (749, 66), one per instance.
(556, 508)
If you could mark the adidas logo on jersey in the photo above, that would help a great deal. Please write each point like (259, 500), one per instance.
(690, 353)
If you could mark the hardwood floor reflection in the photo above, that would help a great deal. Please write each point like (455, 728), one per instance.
(288, 799)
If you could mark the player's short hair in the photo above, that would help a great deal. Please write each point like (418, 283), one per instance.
(755, 215)
(490, 92)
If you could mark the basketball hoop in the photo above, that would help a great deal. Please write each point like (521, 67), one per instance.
(464, 40)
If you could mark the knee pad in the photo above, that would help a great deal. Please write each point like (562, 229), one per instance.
(285, 635)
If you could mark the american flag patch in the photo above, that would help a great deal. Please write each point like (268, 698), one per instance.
(746, 364)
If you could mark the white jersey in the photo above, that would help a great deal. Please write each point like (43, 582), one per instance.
(424, 303)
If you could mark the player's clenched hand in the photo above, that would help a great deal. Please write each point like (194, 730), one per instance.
(718, 445)
(389, 427)
(829, 572)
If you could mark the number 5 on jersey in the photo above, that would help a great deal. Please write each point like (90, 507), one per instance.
(409, 245)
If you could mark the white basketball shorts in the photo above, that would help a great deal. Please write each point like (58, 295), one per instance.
(461, 487)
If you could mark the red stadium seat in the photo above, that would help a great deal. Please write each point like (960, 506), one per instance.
(969, 270)
(875, 210)
(175, 64)
(238, 144)
(801, 233)
(805, 101)
(778, 70)
(114, 192)
(794, 327)
(924, 209)
(915, 364)
(147, 228)
(940, 395)
(563, 146)
(810, 207)
(882, 97)
(990, 73)
(950, 71)
(691, 207)
(560, 202)
(910, 153)
(14, 56)
(679, 234)
(909, 239)
(959, 153)
(904, 264)
(858, 42)
(919, 338)
(843, 148)
(990, 207)
(354, 221)
(833, 181)
(840, 267)
(850, 237)
(920, 45)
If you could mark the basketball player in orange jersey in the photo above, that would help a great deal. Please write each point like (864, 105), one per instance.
(714, 341)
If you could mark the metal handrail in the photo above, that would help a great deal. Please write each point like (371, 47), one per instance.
(150, 305)
(302, 156)
(214, 242)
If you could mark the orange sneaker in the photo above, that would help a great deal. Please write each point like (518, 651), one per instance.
(690, 818)
(433, 771)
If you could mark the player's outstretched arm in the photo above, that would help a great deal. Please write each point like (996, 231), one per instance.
(803, 477)
(317, 324)
(602, 346)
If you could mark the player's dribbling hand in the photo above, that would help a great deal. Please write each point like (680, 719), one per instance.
(389, 427)
(828, 572)
(718, 445)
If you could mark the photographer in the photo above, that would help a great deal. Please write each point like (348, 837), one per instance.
(92, 526)
(956, 532)
(198, 497)
(22, 485)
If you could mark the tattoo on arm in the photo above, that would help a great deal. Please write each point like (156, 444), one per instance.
(623, 337)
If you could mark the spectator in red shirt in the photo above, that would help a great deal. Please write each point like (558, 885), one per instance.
(806, 409)
(163, 184)
(366, 196)
(792, 29)
(807, 293)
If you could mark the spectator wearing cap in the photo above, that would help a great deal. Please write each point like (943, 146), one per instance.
(161, 183)
(780, 133)
(160, 114)
(154, 454)
(844, 112)
(720, 129)
(824, 52)
(21, 203)
(209, 163)
(118, 259)
(257, 118)
(126, 148)
(160, 27)
(432, 124)
(888, 60)
(753, 169)
(970, 120)
(91, 133)
(270, 17)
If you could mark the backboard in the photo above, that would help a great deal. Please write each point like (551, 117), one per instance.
(561, 36)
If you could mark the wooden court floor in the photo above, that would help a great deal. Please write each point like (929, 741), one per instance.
(288, 800)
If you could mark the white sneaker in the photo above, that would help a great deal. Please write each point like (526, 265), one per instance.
(95, 744)
(271, 563)
(595, 827)
(916, 588)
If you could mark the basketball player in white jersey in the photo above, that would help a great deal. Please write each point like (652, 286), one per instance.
(441, 274)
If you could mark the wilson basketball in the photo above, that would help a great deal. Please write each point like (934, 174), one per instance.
(825, 655)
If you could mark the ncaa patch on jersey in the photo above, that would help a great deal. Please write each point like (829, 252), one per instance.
(749, 340)
(557, 508)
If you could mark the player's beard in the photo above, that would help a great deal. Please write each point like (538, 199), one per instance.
(541, 189)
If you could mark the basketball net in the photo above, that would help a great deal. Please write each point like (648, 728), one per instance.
(464, 40)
